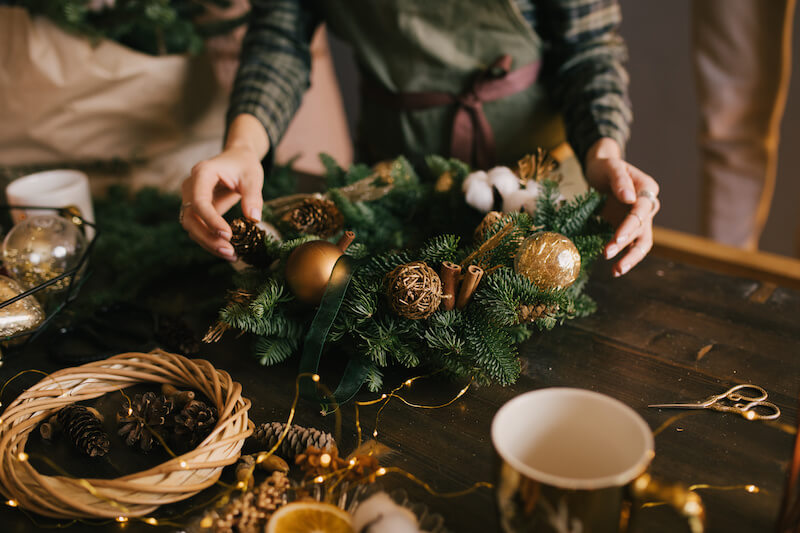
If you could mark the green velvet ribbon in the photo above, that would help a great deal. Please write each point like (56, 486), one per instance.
(356, 372)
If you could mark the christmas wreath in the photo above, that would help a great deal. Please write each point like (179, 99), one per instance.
(429, 281)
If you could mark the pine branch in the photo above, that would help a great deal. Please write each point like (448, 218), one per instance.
(273, 350)
(491, 349)
(444, 340)
(272, 293)
(438, 165)
(374, 378)
(334, 174)
(501, 294)
(439, 249)
(546, 205)
(572, 217)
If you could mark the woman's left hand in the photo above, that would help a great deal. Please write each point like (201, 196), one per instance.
(632, 204)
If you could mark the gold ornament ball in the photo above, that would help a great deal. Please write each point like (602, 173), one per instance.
(43, 247)
(309, 269)
(414, 290)
(550, 260)
(22, 315)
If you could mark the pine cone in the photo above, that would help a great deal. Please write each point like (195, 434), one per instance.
(315, 216)
(176, 335)
(149, 413)
(530, 313)
(249, 512)
(297, 440)
(248, 242)
(271, 494)
(195, 422)
(84, 429)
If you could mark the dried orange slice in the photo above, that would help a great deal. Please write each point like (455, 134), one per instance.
(309, 517)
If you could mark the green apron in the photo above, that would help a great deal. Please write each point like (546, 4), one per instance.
(412, 46)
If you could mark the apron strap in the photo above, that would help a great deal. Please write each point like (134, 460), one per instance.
(471, 133)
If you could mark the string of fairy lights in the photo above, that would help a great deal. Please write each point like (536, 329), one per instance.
(336, 476)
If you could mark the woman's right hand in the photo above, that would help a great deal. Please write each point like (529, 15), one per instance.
(215, 185)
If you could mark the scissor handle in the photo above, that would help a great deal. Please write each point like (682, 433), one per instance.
(748, 410)
(738, 393)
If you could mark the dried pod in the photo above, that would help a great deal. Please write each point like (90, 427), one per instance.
(178, 397)
(273, 463)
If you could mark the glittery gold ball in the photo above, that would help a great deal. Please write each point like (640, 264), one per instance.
(550, 260)
(309, 269)
(41, 248)
(22, 315)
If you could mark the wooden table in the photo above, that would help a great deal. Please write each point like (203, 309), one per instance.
(644, 345)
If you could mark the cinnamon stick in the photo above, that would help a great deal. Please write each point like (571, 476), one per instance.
(449, 274)
(472, 277)
(346, 240)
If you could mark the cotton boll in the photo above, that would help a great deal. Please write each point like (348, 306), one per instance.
(517, 200)
(504, 180)
(382, 514)
(480, 196)
(394, 523)
(472, 177)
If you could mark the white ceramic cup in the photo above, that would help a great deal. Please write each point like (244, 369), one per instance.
(574, 459)
(52, 188)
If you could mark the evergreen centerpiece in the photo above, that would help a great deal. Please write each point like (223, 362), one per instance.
(416, 291)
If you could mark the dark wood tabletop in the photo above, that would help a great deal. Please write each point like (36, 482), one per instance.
(648, 343)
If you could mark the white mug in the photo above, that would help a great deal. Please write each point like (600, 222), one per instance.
(577, 460)
(52, 188)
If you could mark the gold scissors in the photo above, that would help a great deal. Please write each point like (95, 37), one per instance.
(747, 400)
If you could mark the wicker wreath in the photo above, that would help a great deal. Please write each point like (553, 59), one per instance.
(135, 494)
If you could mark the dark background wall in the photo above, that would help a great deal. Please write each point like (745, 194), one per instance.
(665, 119)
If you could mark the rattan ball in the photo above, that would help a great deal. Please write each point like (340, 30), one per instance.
(488, 222)
(414, 290)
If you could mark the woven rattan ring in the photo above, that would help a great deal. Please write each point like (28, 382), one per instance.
(135, 494)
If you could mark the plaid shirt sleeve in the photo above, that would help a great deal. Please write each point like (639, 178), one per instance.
(275, 64)
(583, 69)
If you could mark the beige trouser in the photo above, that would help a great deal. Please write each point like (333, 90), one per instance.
(742, 61)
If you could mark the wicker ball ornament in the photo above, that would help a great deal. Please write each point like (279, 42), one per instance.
(489, 220)
(414, 290)
(550, 260)
(309, 268)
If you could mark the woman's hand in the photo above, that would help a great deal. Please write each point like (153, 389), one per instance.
(216, 184)
(632, 205)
